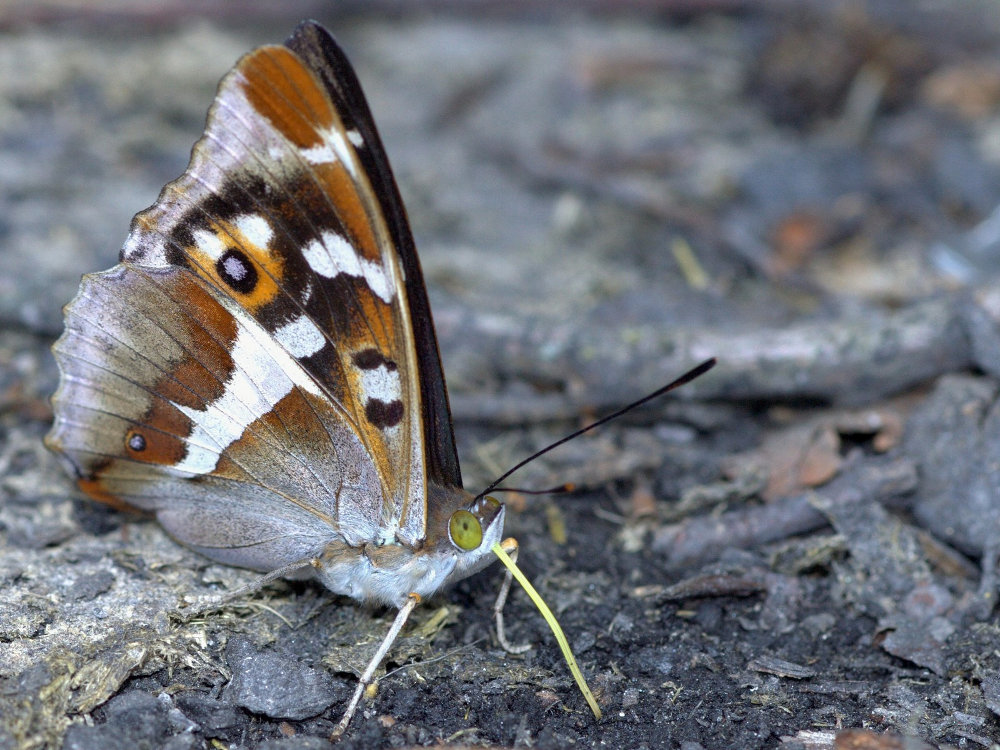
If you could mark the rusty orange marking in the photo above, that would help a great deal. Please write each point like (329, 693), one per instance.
(209, 331)
(286, 92)
(343, 193)
(295, 409)
(95, 491)
(282, 89)
(163, 446)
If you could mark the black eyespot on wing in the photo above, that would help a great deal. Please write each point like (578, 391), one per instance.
(384, 414)
(235, 268)
(135, 442)
(372, 359)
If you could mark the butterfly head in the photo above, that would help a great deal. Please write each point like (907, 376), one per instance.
(471, 531)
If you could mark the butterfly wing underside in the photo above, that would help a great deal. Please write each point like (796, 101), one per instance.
(266, 337)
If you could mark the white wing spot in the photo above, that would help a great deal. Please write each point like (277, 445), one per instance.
(319, 260)
(381, 383)
(334, 255)
(343, 151)
(342, 254)
(333, 148)
(255, 229)
(377, 280)
(301, 337)
(209, 243)
(321, 154)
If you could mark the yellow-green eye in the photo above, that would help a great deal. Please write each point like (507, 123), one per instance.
(465, 530)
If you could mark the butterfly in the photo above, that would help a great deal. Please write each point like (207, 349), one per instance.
(260, 371)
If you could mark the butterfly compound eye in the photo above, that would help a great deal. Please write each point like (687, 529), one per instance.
(465, 529)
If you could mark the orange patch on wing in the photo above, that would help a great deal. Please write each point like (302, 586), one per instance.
(267, 265)
(288, 94)
(217, 325)
(373, 312)
(292, 416)
(342, 192)
(229, 469)
(162, 433)
(208, 334)
(282, 89)
(94, 488)
(192, 385)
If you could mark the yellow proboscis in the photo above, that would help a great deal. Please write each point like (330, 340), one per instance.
(553, 623)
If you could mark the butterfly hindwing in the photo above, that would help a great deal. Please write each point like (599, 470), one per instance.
(147, 419)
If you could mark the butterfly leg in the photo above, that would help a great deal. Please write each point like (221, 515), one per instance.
(217, 602)
(369, 673)
(510, 547)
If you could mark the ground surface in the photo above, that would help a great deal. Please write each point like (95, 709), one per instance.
(801, 544)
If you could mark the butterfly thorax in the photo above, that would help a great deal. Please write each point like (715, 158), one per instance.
(460, 532)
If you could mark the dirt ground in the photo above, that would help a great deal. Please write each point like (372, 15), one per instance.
(798, 550)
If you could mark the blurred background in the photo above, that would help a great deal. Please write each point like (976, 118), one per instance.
(727, 165)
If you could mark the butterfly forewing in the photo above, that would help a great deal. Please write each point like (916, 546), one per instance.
(289, 371)
(322, 54)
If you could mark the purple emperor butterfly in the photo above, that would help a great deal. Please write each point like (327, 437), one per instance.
(260, 370)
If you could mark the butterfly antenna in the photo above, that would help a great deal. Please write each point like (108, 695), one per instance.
(564, 487)
(682, 380)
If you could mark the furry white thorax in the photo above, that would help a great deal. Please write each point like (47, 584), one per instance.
(423, 573)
